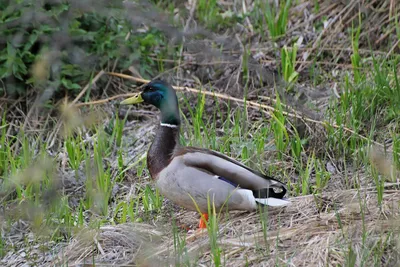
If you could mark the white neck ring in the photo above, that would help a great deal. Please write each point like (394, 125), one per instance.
(168, 125)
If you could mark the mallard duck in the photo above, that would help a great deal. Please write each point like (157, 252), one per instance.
(192, 177)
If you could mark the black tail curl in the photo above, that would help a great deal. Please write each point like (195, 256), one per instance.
(270, 192)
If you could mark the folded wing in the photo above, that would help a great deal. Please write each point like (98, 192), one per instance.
(220, 165)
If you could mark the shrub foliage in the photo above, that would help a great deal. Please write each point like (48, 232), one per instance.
(58, 45)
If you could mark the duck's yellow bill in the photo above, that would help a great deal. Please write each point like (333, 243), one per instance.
(137, 98)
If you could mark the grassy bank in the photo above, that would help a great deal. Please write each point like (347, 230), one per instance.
(307, 92)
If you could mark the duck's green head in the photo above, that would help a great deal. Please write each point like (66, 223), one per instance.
(161, 95)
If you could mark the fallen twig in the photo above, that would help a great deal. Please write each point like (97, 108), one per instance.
(241, 101)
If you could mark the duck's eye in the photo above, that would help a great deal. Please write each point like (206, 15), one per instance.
(146, 89)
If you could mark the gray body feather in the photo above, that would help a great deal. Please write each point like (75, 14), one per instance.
(190, 180)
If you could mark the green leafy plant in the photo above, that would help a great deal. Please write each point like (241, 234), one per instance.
(90, 40)
(276, 17)
(182, 257)
(355, 57)
(74, 151)
(281, 136)
(152, 200)
(321, 176)
(288, 64)
(207, 10)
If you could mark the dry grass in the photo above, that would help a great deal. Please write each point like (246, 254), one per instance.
(306, 233)
(120, 244)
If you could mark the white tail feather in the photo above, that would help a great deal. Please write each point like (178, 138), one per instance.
(248, 195)
(271, 201)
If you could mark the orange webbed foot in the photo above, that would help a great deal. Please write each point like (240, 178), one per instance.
(203, 221)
